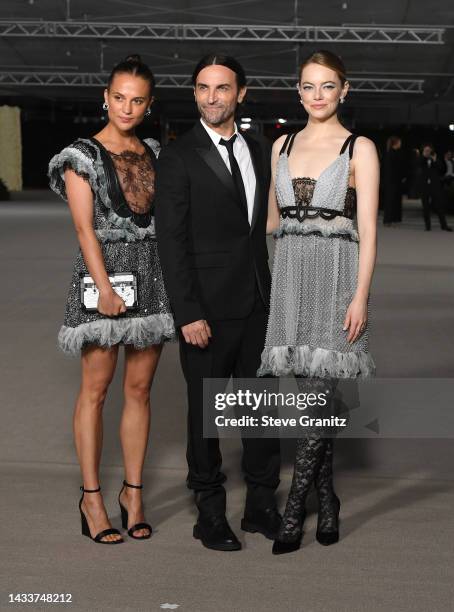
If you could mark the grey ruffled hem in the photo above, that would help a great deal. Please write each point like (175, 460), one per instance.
(141, 332)
(125, 234)
(318, 362)
(327, 232)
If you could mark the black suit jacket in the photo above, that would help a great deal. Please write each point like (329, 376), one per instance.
(211, 257)
(431, 174)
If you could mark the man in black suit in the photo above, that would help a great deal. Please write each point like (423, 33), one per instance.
(432, 171)
(211, 208)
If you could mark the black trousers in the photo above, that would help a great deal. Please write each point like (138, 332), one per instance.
(433, 200)
(234, 350)
(392, 212)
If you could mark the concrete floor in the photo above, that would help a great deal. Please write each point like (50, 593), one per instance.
(395, 552)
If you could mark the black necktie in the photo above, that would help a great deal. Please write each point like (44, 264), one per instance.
(236, 172)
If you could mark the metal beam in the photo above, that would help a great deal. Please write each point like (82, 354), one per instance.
(99, 79)
(241, 33)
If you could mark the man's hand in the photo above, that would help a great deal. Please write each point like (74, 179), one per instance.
(197, 333)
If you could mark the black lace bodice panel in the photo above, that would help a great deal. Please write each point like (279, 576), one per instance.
(304, 192)
(137, 179)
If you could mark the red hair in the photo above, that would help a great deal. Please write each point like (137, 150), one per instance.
(329, 60)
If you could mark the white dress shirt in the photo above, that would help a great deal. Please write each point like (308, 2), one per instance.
(243, 157)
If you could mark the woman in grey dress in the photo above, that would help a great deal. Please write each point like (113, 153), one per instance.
(108, 181)
(323, 210)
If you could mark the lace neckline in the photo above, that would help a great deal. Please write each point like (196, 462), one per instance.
(127, 153)
(120, 177)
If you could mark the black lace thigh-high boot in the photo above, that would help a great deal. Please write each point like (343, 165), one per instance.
(328, 502)
(309, 454)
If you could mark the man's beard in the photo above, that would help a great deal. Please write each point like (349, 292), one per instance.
(218, 116)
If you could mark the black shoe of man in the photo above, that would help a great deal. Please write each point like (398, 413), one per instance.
(214, 532)
(264, 520)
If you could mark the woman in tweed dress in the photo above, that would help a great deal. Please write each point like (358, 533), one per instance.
(322, 210)
(108, 181)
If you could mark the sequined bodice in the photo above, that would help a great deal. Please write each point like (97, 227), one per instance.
(137, 179)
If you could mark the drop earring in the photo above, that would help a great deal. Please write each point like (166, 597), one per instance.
(148, 112)
(105, 106)
(341, 100)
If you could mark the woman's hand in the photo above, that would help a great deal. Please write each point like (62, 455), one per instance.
(110, 303)
(355, 319)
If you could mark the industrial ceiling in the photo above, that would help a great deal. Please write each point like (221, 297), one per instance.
(399, 54)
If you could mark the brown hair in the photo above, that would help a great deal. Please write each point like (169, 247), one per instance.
(329, 60)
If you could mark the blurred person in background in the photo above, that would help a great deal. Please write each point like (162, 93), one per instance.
(432, 172)
(414, 178)
(393, 176)
(449, 174)
(448, 181)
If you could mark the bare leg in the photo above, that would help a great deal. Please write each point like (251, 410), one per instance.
(98, 368)
(140, 366)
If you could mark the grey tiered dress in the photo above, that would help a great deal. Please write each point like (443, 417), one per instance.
(128, 242)
(314, 276)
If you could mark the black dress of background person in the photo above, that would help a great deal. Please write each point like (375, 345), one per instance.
(432, 196)
(215, 265)
(393, 175)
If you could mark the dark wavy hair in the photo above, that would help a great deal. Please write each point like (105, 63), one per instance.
(133, 64)
(213, 59)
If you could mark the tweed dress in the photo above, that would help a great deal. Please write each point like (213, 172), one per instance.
(314, 275)
(128, 242)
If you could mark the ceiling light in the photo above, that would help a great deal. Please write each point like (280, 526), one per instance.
(245, 126)
(246, 119)
(451, 127)
(281, 120)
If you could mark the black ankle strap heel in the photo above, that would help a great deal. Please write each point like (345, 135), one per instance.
(90, 490)
(131, 486)
(86, 530)
(124, 516)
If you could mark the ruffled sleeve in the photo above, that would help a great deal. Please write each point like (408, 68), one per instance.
(79, 157)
